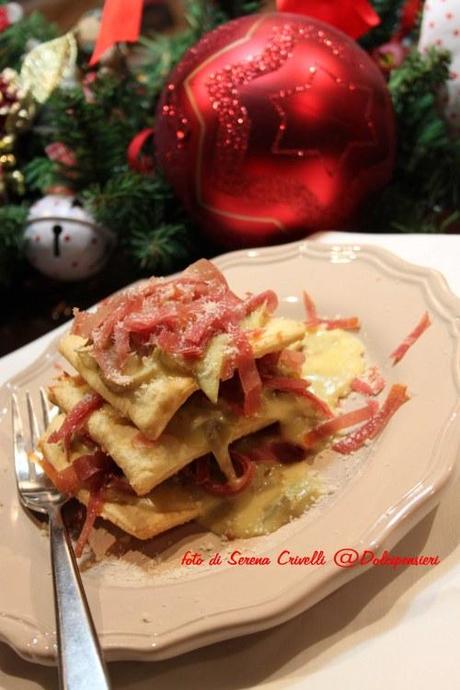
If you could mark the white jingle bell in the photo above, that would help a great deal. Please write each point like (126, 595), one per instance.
(63, 241)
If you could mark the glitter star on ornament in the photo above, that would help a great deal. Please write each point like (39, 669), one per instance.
(304, 118)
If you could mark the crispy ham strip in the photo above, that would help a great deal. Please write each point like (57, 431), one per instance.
(310, 310)
(200, 473)
(350, 323)
(373, 382)
(94, 472)
(65, 480)
(332, 426)
(93, 509)
(285, 384)
(396, 397)
(76, 418)
(272, 378)
(250, 380)
(88, 471)
(291, 360)
(180, 317)
(413, 336)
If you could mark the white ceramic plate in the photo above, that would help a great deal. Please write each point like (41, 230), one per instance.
(148, 608)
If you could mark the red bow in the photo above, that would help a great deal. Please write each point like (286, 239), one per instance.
(353, 17)
(141, 163)
(121, 21)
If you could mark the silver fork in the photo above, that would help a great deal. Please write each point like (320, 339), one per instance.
(80, 662)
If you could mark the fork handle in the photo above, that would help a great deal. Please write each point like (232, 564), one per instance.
(80, 662)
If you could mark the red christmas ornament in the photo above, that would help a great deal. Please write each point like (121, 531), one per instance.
(274, 126)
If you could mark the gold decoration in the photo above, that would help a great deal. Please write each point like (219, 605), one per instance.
(47, 65)
(43, 69)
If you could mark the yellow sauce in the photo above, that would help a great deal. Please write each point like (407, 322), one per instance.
(279, 492)
(332, 360)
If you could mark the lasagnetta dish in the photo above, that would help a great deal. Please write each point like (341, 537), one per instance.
(189, 402)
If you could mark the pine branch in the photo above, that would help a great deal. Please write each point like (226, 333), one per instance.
(162, 250)
(388, 11)
(40, 173)
(238, 8)
(128, 201)
(425, 190)
(144, 214)
(98, 131)
(419, 75)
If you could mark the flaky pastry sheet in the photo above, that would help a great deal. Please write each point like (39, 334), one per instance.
(151, 405)
(144, 517)
(188, 436)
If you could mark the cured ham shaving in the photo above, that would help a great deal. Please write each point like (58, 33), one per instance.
(179, 316)
(93, 509)
(351, 323)
(268, 364)
(344, 421)
(286, 384)
(95, 472)
(413, 336)
(291, 361)
(65, 480)
(251, 382)
(318, 405)
(310, 310)
(268, 297)
(76, 418)
(88, 471)
(288, 361)
(202, 475)
(372, 384)
(396, 397)
(298, 387)
(93, 469)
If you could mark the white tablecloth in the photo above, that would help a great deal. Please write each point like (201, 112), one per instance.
(385, 629)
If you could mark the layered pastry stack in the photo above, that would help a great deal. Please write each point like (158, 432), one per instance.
(192, 403)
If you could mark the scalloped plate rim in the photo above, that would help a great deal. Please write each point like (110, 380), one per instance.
(426, 494)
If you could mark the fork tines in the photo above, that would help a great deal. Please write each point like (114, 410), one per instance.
(23, 444)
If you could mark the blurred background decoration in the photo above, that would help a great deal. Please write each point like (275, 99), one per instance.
(106, 175)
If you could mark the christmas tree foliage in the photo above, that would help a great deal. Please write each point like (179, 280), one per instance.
(424, 195)
(94, 117)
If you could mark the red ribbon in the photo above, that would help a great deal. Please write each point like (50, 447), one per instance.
(353, 17)
(121, 21)
(409, 13)
(142, 164)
